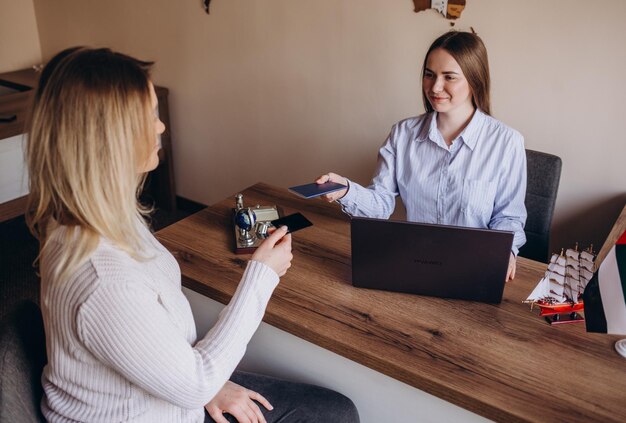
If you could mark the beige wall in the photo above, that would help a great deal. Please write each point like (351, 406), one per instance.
(283, 90)
(19, 36)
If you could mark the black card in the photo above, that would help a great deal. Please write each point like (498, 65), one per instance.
(293, 222)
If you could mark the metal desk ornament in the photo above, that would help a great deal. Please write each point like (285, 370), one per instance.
(251, 225)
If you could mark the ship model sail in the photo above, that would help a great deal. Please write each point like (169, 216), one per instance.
(559, 293)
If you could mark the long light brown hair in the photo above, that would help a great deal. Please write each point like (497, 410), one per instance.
(470, 53)
(91, 130)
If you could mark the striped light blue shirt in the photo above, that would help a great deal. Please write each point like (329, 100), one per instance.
(479, 182)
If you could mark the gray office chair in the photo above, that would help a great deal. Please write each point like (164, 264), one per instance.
(22, 358)
(544, 173)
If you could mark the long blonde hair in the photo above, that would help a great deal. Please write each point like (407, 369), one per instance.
(91, 130)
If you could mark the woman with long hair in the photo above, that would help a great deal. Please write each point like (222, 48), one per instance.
(455, 164)
(121, 339)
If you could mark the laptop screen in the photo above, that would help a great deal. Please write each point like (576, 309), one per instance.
(434, 260)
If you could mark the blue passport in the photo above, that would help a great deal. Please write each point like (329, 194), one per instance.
(314, 190)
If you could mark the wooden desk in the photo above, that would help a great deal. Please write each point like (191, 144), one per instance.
(500, 361)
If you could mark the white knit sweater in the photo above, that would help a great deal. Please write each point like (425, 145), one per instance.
(121, 338)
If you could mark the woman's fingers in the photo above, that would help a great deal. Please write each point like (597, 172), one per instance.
(247, 410)
(275, 237)
(322, 179)
(275, 251)
(216, 414)
(332, 177)
(257, 412)
(510, 273)
(261, 399)
(238, 402)
(244, 412)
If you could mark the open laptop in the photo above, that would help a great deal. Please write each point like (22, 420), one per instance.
(435, 260)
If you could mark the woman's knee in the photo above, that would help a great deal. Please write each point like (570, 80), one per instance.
(346, 411)
(331, 406)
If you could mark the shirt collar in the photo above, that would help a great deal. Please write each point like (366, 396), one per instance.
(471, 131)
(469, 135)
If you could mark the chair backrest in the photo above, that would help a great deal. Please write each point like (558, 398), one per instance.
(544, 173)
(22, 358)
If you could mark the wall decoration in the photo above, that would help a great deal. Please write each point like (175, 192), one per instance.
(451, 9)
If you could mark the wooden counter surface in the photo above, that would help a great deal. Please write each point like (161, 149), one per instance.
(500, 361)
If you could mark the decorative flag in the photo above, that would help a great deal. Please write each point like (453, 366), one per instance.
(604, 296)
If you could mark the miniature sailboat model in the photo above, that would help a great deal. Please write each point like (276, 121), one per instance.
(559, 293)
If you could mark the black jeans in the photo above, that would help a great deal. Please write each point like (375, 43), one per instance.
(296, 402)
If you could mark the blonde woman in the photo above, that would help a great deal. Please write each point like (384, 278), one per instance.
(120, 335)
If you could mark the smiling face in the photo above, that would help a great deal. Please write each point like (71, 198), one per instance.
(445, 85)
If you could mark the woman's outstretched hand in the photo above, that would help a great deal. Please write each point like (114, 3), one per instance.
(510, 274)
(275, 251)
(333, 177)
(237, 401)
